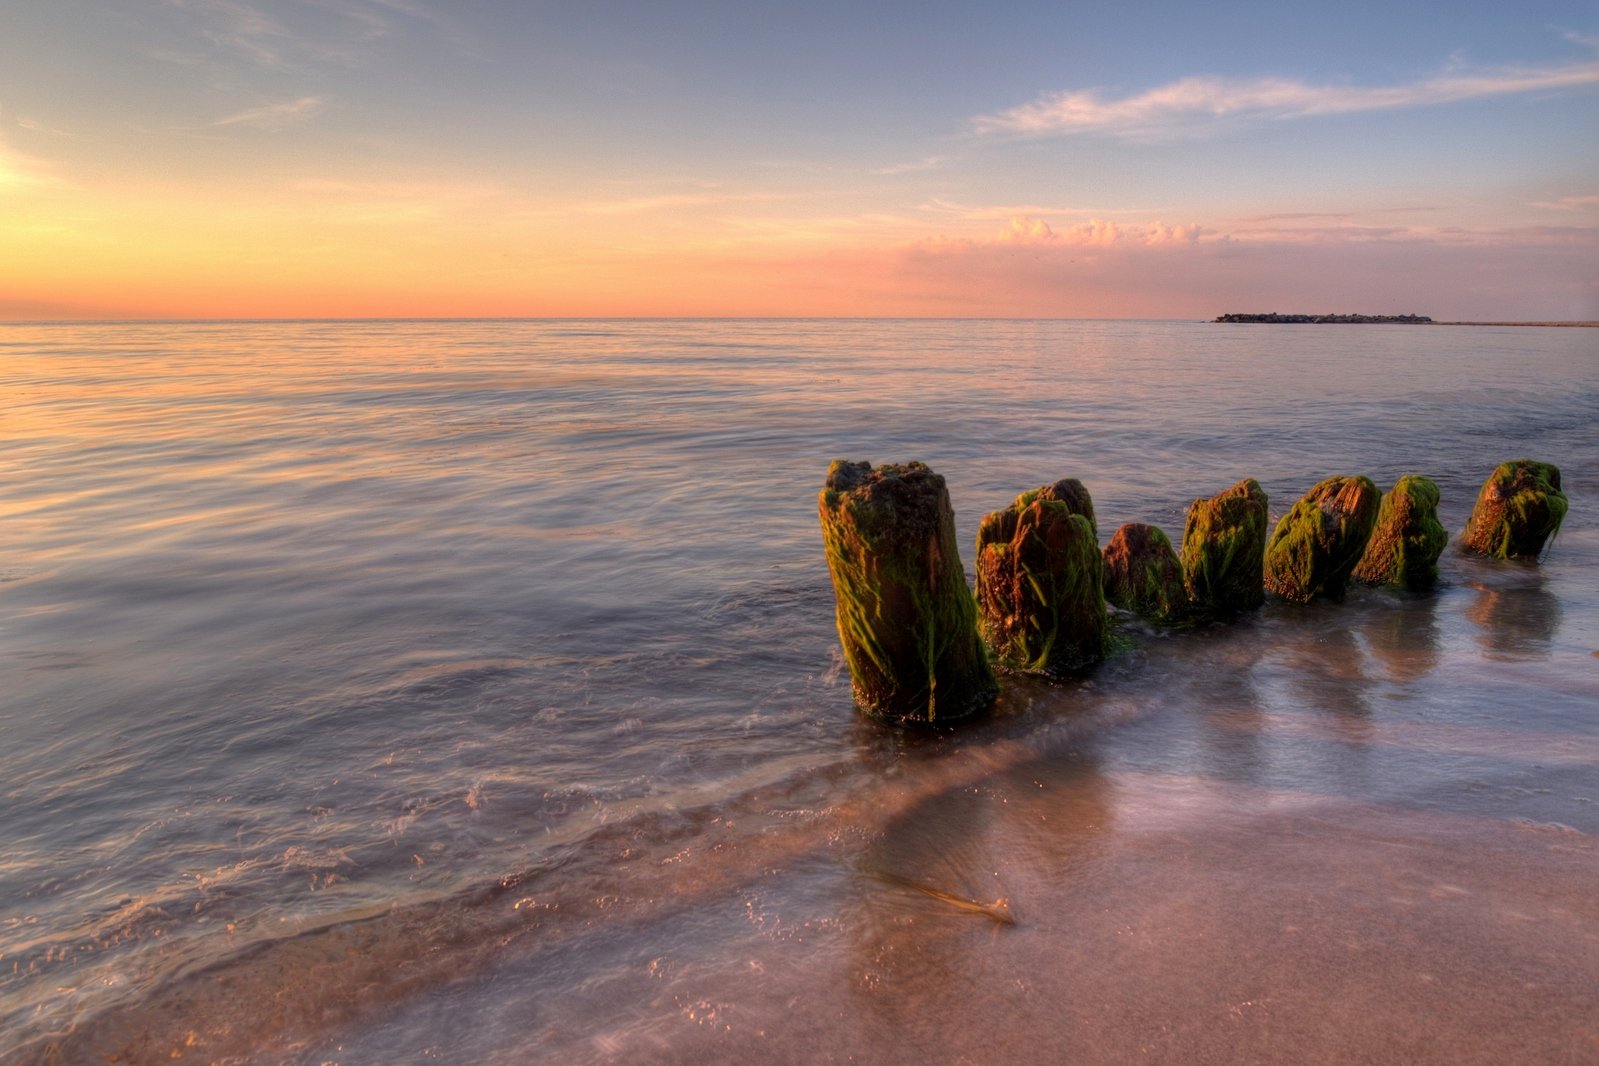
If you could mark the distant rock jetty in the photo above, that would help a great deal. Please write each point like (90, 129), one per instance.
(1411, 320)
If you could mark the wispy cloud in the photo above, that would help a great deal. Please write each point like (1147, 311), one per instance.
(20, 172)
(679, 201)
(35, 126)
(1570, 203)
(238, 27)
(1109, 269)
(276, 116)
(297, 36)
(930, 162)
(1195, 104)
(957, 211)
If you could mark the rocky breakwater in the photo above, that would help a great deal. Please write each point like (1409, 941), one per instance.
(1274, 317)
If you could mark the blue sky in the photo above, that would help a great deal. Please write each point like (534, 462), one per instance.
(327, 156)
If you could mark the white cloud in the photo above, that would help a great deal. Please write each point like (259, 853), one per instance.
(1025, 230)
(276, 116)
(1195, 103)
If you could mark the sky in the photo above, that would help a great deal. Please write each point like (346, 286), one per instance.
(422, 158)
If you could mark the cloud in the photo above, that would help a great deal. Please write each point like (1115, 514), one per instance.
(677, 201)
(960, 212)
(19, 172)
(1197, 103)
(931, 162)
(1570, 203)
(35, 126)
(297, 36)
(1102, 269)
(276, 116)
(1024, 229)
(238, 27)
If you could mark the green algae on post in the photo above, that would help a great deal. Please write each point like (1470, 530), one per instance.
(1143, 574)
(1314, 549)
(1224, 541)
(1408, 539)
(905, 615)
(1518, 510)
(1040, 584)
(1072, 493)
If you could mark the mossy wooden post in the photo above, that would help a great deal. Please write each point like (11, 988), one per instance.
(1408, 538)
(1040, 581)
(1314, 549)
(905, 614)
(1143, 574)
(1518, 510)
(1224, 541)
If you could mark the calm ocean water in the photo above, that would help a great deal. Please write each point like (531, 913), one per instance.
(468, 692)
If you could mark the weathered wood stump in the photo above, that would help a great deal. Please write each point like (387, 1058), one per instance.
(1314, 549)
(1074, 495)
(1040, 583)
(1408, 539)
(1143, 574)
(1518, 510)
(1224, 541)
(905, 614)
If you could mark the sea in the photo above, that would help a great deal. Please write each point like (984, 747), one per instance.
(470, 692)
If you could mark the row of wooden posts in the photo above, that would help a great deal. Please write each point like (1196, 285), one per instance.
(921, 649)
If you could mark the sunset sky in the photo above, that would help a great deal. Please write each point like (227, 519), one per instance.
(331, 158)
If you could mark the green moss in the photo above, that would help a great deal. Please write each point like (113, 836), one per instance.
(1316, 545)
(906, 619)
(1040, 592)
(1518, 511)
(1408, 538)
(1224, 541)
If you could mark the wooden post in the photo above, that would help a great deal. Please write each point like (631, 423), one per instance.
(1314, 549)
(1224, 542)
(1143, 574)
(1408, 538)
(1518, 510)
(1040, 581)
(905, 615)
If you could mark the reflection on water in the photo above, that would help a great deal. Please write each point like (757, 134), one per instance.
(1403, 635)
(1231, 744)
(1517, 619)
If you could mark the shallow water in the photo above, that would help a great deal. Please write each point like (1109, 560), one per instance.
(384, 692)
